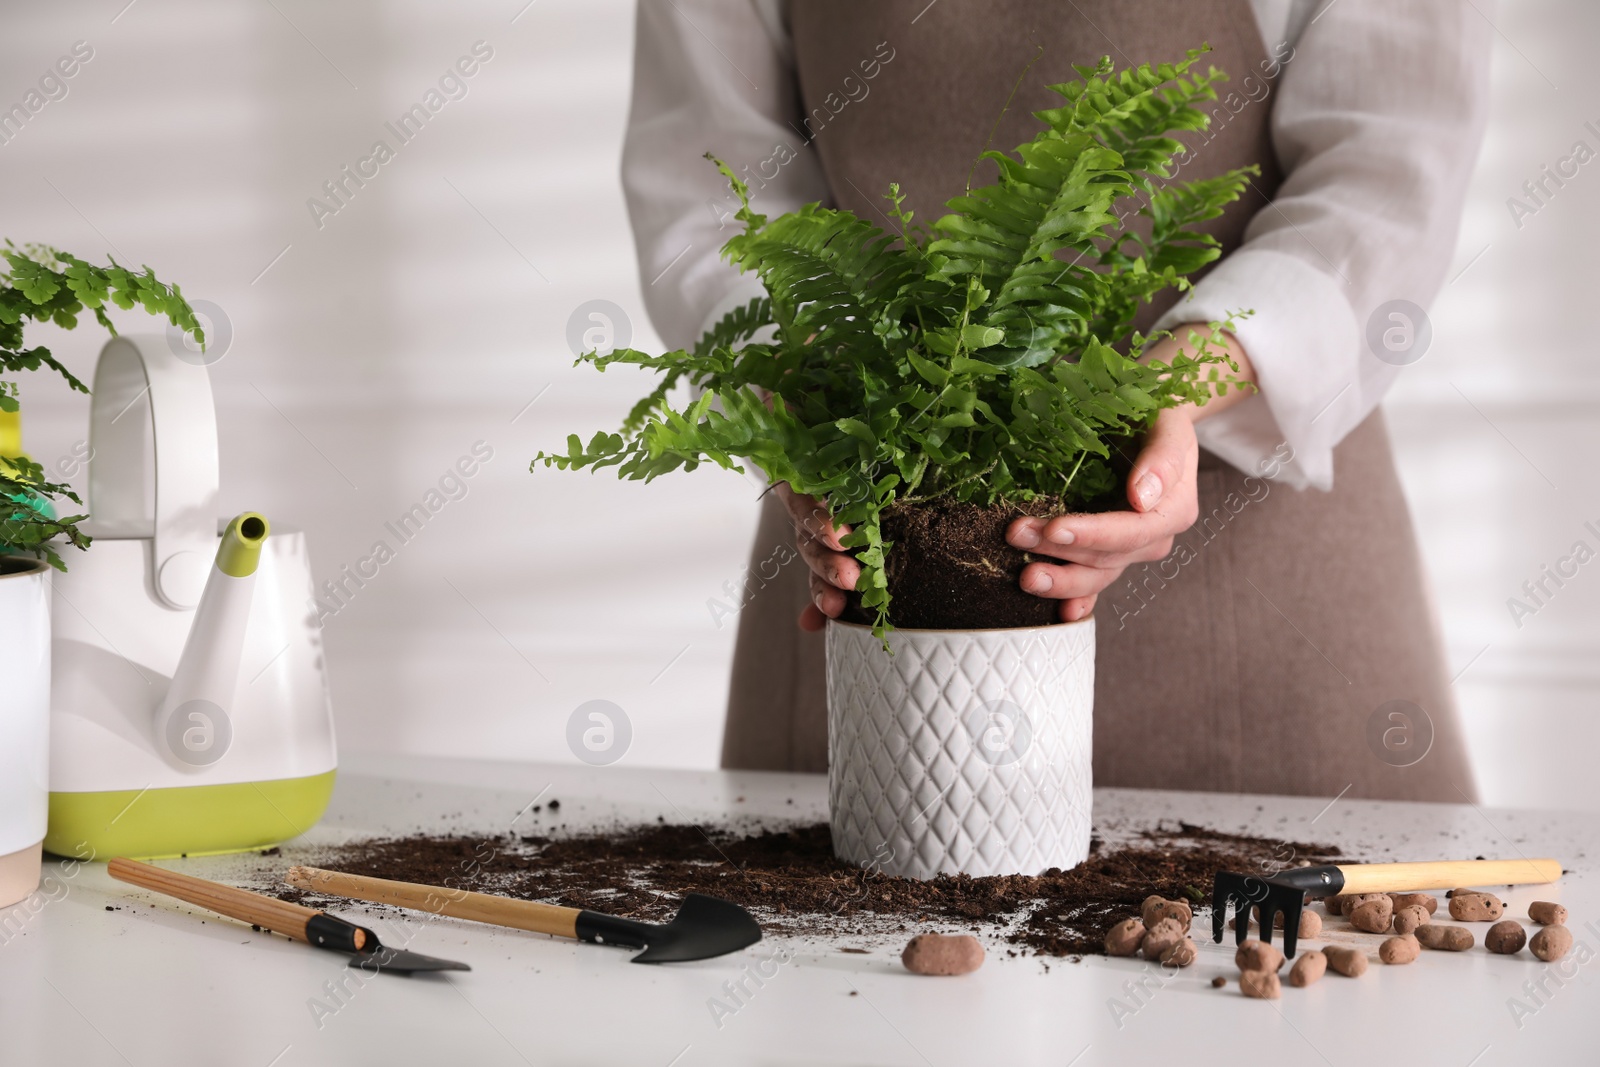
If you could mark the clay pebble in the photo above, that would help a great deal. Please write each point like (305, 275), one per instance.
(1373, 916)
(943, 954)
(1155, 908)
(1406, 900)
(1505, 937)
(1310, 922)
(1397, 950)
(1352, 963)
(1475, 907)
(1546, 913)
(1262, 985)
(1256, 955)
(1162, 936)
(1307, 968)
(1218, 982)
(1182, 954)
(1125, 938)
(1443, 938)
(1551, 943)
(1352, 901)
(1408, 918)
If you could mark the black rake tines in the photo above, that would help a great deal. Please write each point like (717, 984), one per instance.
(1283, 894)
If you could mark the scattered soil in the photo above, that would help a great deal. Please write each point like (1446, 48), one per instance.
(789, 878)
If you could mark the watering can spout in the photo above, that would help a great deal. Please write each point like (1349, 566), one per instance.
(193, 723)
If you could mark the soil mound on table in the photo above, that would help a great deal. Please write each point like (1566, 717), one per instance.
(788, 877)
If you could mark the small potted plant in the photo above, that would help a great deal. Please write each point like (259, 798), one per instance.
(930, 387)
(41, 284)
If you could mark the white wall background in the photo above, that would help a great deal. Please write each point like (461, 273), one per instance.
(369, 354)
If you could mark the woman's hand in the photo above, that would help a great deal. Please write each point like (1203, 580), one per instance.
(1096, 549)
(833, 569)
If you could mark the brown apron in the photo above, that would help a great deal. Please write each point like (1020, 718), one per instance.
(1288, 645)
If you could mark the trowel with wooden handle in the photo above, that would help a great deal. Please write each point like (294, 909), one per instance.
(704, 927)
(316, 928)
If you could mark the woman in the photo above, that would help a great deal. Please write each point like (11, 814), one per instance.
(1282, 643)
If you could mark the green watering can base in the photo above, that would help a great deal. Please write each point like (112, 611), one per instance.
(195, 820)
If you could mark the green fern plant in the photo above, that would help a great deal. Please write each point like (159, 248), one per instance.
(989, 360)
(44, 284)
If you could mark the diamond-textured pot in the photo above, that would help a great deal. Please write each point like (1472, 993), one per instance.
(966, 751)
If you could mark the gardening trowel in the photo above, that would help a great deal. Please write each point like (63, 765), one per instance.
(316, 928)
(704, 926)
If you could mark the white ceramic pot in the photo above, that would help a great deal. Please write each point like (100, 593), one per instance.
(24, 722)
(963, 752)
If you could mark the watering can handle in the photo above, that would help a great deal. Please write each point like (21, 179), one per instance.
(183, 423)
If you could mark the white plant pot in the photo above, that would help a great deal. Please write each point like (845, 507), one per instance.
(963, 752)
(24, 723)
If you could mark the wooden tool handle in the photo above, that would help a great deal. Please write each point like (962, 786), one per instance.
(241, 904)
(1449, 874)
(458, 903)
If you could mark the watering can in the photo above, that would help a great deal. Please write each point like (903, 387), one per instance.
(189, 704)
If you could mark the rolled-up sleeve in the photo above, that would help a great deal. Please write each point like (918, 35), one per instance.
(709, 76)
(1377, 122)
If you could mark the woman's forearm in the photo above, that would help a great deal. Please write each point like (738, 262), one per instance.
(1232, 385)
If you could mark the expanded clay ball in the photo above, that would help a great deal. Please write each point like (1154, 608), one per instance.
(1352, 963)
(1406, 900)
(1545, 913)
(1162, 936)
(1148, 910)
(1125, 938)
(1397, 950)
(1307, 968)
(1218, 982)
(1476, 907)
(1408, 918)
(1310, 921)
(1352, 901)
(1374, 915)
(1551, 943)
(1505, 937)
(1333, 905)
(1173, 909)
(1180, 955)
(1256, 955)
(943, 954)
(1442, 938)
(1263, 985)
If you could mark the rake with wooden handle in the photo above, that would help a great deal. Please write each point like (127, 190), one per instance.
(704, 927)
(316, 928)
(1285, 892)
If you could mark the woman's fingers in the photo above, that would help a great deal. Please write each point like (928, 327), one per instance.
(1079, 607)
(1161, 488)
(833, 569)
(810, 516)
(1055, 581)
(1168, 461)
(817, 538)
(838, 569)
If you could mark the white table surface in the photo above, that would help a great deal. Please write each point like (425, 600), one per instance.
(152, 984)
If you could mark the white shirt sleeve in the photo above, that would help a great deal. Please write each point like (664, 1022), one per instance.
(1378, 118)
(709, 76)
